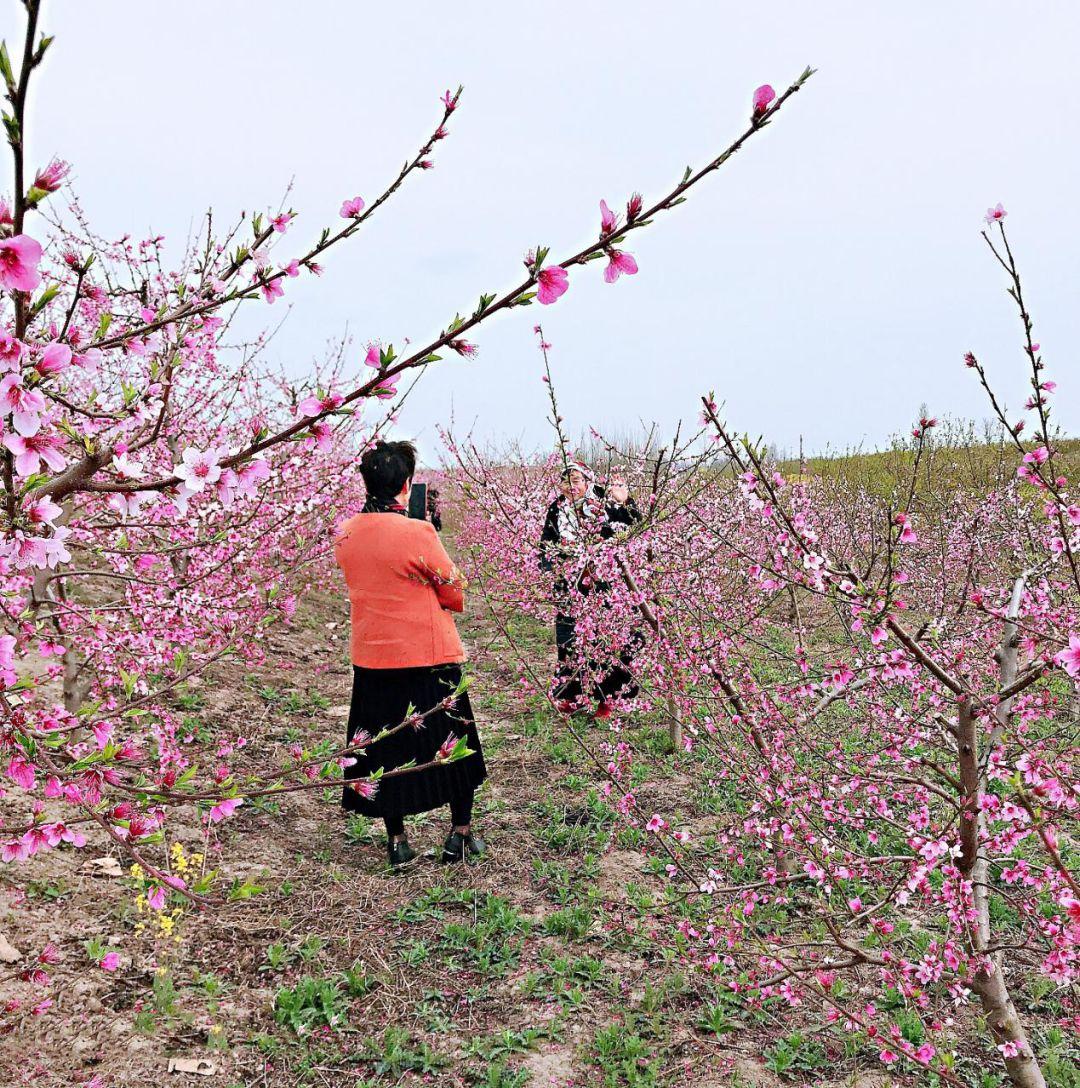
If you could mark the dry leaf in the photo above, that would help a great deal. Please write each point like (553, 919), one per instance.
(108, 866)
(201, 1066)
(8, 952)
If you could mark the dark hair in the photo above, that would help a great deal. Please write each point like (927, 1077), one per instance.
(386, 468)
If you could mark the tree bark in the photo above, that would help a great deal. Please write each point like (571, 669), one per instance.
(989, 981)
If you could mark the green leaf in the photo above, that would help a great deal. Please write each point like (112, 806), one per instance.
(461, 750)
(45, 298)
(246, 890)
(485, 302)
(12, 127)
(204, 883)
(5, 68)
(96, 949)
(37, 479)
(26, 743)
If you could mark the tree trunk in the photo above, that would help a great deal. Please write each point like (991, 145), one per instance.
(988, 983)
(674, 724)
(42, 595)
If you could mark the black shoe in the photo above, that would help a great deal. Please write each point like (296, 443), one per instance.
(400, 852)
(460, 847)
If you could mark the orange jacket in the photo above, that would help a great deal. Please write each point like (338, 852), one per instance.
(402, 588)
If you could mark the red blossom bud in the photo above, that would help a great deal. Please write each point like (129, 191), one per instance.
(764, 96)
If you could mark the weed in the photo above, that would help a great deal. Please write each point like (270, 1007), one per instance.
(312, 1003)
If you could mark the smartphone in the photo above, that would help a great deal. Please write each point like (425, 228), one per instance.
(418, 502)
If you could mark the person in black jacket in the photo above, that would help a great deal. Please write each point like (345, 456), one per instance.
(433, 512)
(583, 508)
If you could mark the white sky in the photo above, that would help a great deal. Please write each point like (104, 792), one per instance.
(825, 283)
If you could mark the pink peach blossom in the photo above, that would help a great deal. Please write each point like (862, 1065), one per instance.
(198, 468)
(619, 262)
(552, 283)
(31, 450)
(21, 771)
(224, 809)
(11, 351)
(54, 359)
(272, 289)
(25, 405)
(1069, 658)
(51, 177)
(19, 259)
(314, 406)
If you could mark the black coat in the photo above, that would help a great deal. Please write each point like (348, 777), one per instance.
(553, 549)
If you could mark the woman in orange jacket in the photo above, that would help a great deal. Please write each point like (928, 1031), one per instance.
(406, 655)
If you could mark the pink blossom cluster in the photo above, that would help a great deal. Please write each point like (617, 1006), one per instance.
(878, 677)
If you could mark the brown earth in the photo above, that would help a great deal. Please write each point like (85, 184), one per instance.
(530, 969)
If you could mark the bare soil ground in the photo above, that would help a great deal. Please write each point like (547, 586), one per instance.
(327, 969)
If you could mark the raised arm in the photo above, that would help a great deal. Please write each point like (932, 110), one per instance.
(440, 572)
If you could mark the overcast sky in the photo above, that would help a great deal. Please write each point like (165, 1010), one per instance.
(825, 283)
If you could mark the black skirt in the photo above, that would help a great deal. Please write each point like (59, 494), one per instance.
(381, 699)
